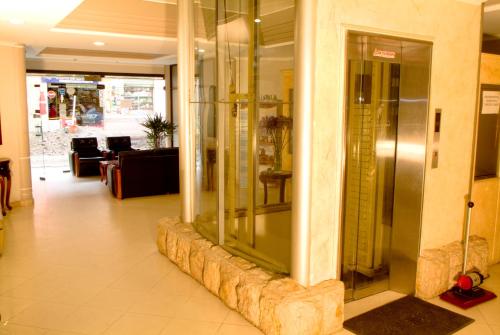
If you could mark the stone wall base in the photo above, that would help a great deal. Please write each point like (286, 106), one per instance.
(437, 269)
(273, 303)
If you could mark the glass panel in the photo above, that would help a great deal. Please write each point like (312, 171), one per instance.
(203, 106)
(246, 47)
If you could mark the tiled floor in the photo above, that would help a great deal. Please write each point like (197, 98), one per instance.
(82, 262)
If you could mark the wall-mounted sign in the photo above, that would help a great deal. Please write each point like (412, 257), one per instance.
(384, 53)
(491, 102)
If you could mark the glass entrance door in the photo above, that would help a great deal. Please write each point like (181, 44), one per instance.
(372, 117)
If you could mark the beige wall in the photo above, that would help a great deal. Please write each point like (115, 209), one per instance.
(14, 122)
(455, 60)
(486, 192)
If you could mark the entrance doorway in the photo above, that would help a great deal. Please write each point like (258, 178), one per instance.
(387, 91)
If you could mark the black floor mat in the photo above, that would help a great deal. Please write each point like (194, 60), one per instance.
(407, 316)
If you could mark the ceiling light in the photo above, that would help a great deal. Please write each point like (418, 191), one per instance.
(201, 50)
(257, 20)
(16, 21)
(99, 43)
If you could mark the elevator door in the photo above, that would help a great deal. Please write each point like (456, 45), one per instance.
(379, 125)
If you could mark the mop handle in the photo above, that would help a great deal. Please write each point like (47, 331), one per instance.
(470, 204)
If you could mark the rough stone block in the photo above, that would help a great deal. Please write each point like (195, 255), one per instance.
(433, 273)
(197, 258)
(184, 242)
(211, 268)
(173, 237)
(161, 238)
(456, 256)
(437, 269)
(231, 270)
(478, 255)
(249, 290)
(272, 296)
(316, 310)
(329, 295)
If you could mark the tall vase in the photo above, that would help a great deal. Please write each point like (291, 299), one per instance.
(158, 142)
(277, 159)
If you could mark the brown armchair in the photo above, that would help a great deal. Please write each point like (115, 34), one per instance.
(116, 144)
(84, 157)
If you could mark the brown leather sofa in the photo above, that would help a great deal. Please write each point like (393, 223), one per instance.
(84, 156)
(145, 172)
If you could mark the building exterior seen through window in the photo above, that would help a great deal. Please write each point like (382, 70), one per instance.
(61, 107)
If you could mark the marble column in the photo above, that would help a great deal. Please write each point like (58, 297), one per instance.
(14, 120)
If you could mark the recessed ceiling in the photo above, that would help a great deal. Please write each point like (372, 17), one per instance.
(137, 17)
(137, 30)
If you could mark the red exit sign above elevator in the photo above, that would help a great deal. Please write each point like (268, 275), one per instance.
(384, 53)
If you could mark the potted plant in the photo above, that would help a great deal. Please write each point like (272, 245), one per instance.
(157, 129)
(278, 128)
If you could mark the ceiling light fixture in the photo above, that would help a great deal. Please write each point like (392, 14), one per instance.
(16, 21)
(257, 20)
(99, 43)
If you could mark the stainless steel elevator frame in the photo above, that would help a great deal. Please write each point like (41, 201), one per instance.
(414, 58)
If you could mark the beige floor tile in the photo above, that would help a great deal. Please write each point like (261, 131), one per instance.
(203, 309)
(491, 311)
(76, 294)
(137, 281)
(18, 268)
(495, 329)
(190, 327)
(476, 328)
(9, 282)
(176, 283)
(135, 324)
(226, 329)
(43, 315)
(161, 305)
(115, 299)
(12, 329)
(234, 318)
(89, 321)
(9, 307)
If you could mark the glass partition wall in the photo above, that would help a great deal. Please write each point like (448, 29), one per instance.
(244, 125)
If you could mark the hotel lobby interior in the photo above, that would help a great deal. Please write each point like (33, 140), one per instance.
(328, 152)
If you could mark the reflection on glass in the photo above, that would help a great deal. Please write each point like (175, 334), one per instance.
(203, 106)
(373, 95)
(244, 79)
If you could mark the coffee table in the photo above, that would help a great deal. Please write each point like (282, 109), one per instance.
(103, 169)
